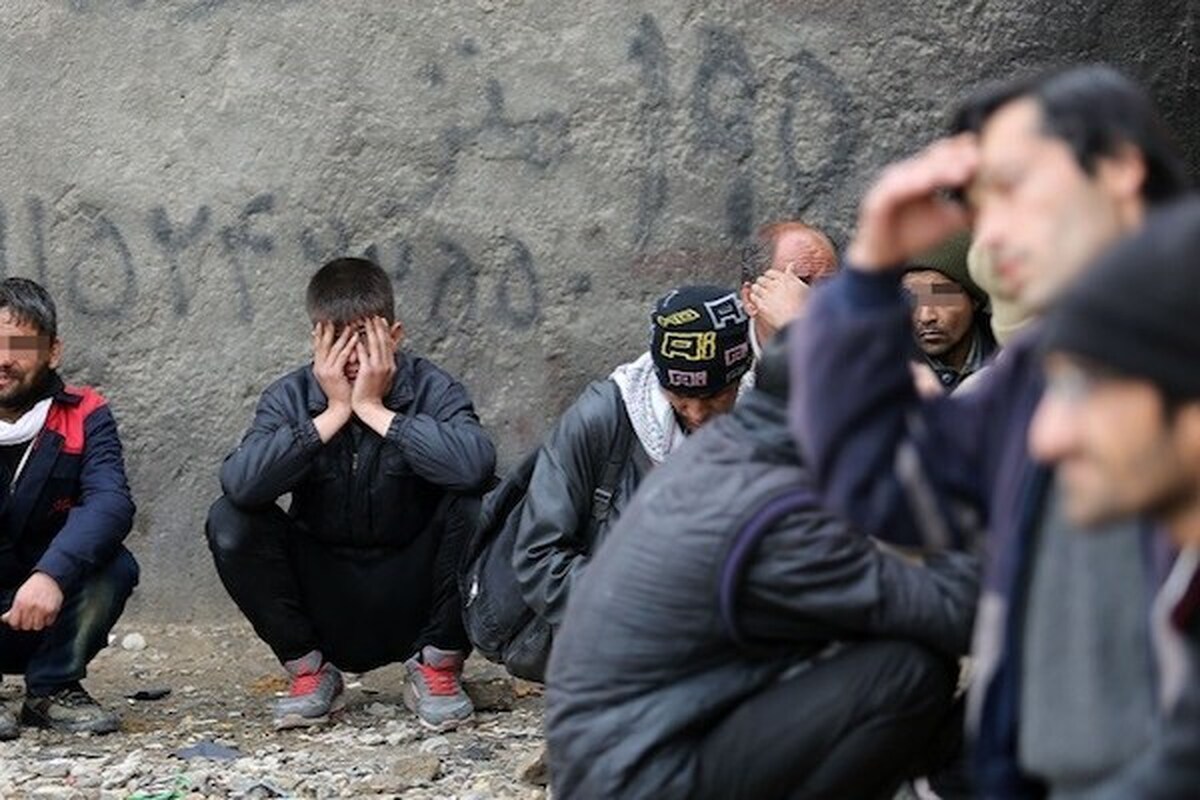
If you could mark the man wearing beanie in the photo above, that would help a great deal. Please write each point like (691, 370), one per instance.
(1120, 422)
(699, 354)
(734, 640)
(949, 313)
(1053, 170)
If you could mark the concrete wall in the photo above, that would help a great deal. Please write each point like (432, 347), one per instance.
(530, 173)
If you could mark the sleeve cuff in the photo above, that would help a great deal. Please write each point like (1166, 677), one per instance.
(59, 567)
(397, 431)
(306, 435)
(870, 290)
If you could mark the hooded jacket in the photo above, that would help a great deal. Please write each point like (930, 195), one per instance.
(643, 662)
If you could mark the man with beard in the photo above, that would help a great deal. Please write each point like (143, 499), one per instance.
(1054, 170)
(64, 574)
(949, 313)
(1120, 422)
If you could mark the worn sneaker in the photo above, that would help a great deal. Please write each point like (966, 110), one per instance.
(8, 725)
(433, 690)
(69, 710)
(316, 693)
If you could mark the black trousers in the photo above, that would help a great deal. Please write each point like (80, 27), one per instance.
(853, 725)
(361, 607)
(59, 655)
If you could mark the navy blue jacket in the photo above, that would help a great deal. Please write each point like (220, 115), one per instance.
(928, 473)
(71, 507)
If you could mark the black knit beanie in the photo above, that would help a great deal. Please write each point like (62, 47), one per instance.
(699, 340)
(1137, 309)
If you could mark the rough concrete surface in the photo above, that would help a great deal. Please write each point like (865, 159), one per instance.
(530, 173)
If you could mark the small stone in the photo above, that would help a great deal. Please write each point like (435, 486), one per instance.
(57, 768)
(439, 745)
(533, 770)
(381, 710)
(492, 694)
(133, 642)
(54, 793)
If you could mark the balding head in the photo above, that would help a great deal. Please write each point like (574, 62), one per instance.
(794, 246)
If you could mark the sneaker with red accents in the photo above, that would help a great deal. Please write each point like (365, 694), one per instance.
(433, 690)
(316, 693)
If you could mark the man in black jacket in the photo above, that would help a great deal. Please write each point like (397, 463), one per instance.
(697, 661)
(382, 453)
(699, 353)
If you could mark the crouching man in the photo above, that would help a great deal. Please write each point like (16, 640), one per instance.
(1120, 422)
(382, 453)
(733, 640)
(64, 574)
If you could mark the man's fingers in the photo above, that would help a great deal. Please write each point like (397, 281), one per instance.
(379, 340)
(341, 348)
(945, 164)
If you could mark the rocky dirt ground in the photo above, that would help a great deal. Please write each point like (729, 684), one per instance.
(221, 682)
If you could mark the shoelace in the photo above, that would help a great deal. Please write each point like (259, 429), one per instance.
(73, 698)
(305, 684)
(441, 682)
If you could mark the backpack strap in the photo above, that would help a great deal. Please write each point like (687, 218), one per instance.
(742, 547)
(618, 456)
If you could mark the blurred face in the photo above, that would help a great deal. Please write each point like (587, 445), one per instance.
(26, 358)
(693, 412)
(1115, 450)
(942, 312)
(1038, 214)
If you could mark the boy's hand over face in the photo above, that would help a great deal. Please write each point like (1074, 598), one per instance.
(329, 363)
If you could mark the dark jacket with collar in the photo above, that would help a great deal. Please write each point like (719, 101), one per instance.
(644, 664)
(930, 473)
(556, 536)
(360, 489)
(71, 507)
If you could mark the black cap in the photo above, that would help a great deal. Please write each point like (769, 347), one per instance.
(700, 340)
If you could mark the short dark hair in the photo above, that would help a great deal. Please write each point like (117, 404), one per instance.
(30, 304)
(1096, 110)
(349, 289)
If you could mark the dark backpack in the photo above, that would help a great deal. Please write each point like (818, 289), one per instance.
(500, 624)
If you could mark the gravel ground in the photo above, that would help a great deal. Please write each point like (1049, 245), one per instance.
(221, 682)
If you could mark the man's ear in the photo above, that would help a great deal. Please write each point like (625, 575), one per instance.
(747, 303)
(396, 333)
(56, 348)
(1187, 431)
(1123, 173)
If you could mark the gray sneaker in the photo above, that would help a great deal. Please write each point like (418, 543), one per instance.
(69, 710)
(316, 693)
(433, 690)
(8, 725)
